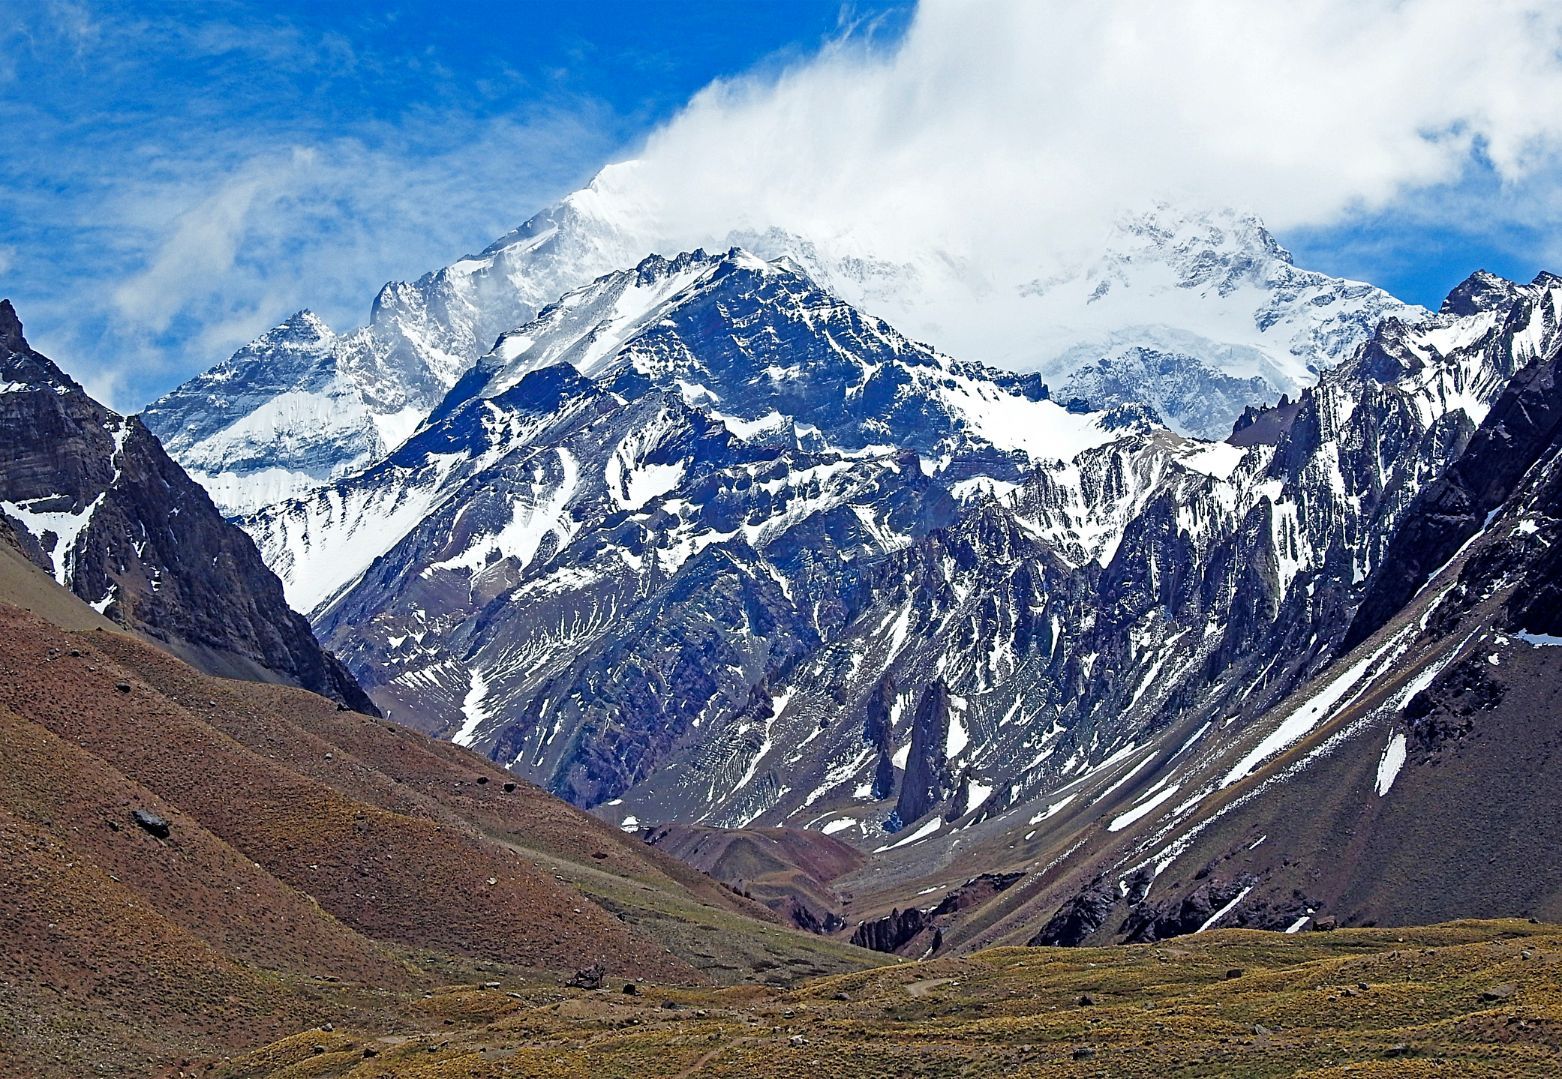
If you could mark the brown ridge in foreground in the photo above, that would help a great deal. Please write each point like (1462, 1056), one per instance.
(194, 865)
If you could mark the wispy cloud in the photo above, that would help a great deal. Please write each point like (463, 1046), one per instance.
(1005, 131)
(300, 224)
(178, 184)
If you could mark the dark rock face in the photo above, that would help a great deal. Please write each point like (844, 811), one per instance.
(1089, 913)
(879, 732)
(1264, 426)
(1079, 917)
(917, 932)
(807, 919)
(1537, 608)
(11, 338)
(975, 892)
(115, 520)
(1481, 291)
(891, 932)
(1523, 425)
(1176, 917)
(927, 781)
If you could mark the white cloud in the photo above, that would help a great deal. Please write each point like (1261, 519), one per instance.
(1000, 135)
(185, 182)
(201, 245)
(1006, 131)
(223, 250)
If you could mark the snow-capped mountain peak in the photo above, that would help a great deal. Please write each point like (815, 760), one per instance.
(755, 347)
(753, 341)
(295, 407)
(1194, 312)
(1196, 315)
(587, 325)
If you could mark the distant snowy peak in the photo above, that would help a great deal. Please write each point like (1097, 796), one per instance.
(448, 318)
(291, 410)
(1196, 314)
(295, 355)
(301, 406)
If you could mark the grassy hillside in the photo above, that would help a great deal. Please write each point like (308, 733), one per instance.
(195, 865)
(1467, 998)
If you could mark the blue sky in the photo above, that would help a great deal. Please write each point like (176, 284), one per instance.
(180, 176)
(331, 146)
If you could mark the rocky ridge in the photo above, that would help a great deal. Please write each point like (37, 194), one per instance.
(97, 503)
(1194, 313)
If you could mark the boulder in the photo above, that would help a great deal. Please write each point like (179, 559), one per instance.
(151, 822)
(588, 978)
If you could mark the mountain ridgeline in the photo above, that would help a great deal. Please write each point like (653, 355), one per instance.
(1195, 313)
(92, 498)
(702, 540)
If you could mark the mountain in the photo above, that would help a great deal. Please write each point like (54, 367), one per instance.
(95, 501)
(705, 542)
(1196, 314)
(1064, 624)
(302, 405)
(609, 539)
(1059, 613)
(1271, 724)
(1413, 780)
(290, 411)
(667, 542)
(197, 865)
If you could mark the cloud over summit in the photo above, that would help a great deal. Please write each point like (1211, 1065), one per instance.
(191, 178)
(999, 130)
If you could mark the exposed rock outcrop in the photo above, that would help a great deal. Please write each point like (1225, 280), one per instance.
(891, 932)
(927, 781)
(111, 517)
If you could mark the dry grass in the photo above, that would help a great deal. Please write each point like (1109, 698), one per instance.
(1295, 1006)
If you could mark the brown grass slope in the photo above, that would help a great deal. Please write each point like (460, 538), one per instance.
(388, 871)
(790, 870)
(727, 937)
(320, 864)
(99, 981)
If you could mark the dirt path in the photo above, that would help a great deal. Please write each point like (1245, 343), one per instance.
(926, 986)
(712, 1054)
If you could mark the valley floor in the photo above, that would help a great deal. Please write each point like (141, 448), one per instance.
(1465, 998)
